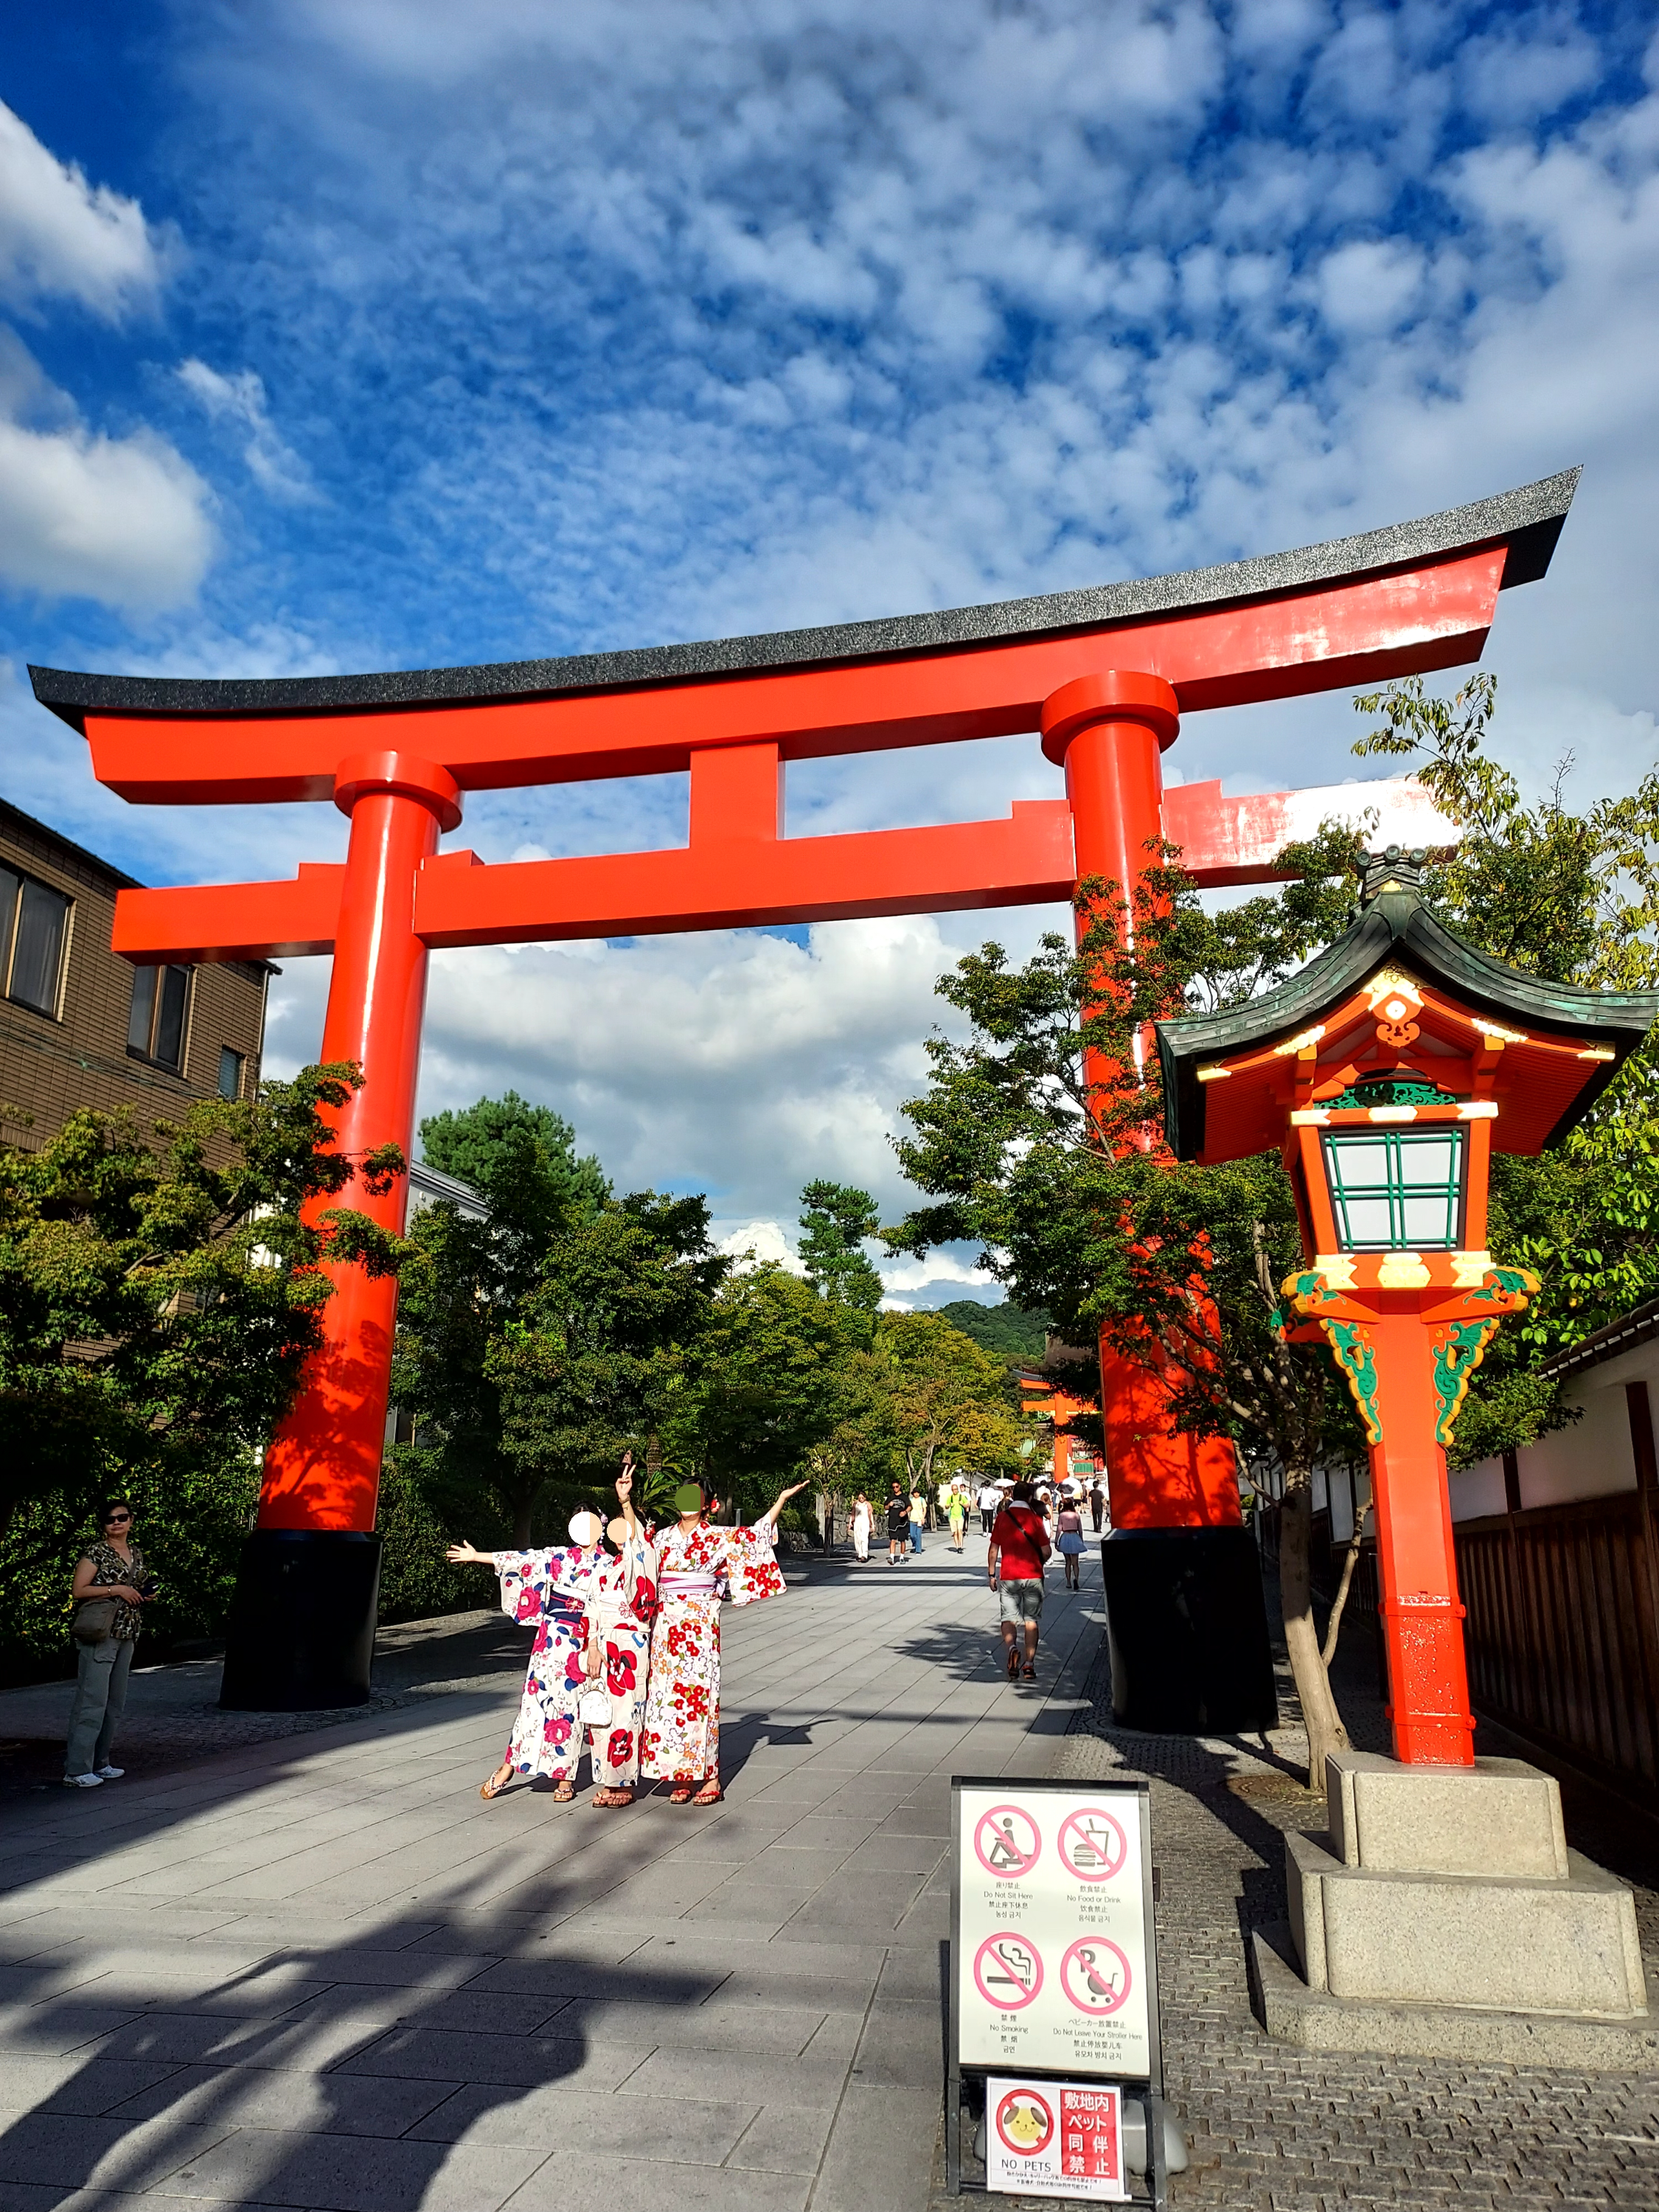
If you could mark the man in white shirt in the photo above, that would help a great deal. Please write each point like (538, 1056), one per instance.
(990, 1498)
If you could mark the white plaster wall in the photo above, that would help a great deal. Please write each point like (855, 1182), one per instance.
(1592, 1459)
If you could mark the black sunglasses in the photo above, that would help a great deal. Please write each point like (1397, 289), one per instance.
(115, 1517)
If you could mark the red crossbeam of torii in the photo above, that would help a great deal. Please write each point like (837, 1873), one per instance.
(1104, 674)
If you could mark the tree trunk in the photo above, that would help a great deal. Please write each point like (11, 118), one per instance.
(1313, 1683)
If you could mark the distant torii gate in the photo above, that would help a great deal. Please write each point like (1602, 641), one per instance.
(1104, 675)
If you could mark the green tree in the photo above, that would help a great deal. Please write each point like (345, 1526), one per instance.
(521, 1160)
(1019, 1337)
(772, 1382)
(948, 1401)
(835, 1221)
(159, 1290)
(529, 1374)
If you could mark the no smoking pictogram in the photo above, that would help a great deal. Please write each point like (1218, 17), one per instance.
(1006, 1842)
(1092, 1844)
(1096, 1977)
(1007, 1972)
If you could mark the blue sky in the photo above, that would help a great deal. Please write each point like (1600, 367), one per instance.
(355, 333)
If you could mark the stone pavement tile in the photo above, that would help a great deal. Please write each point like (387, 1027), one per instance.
(304, 2042)
(914, 1969)
(370, 1968)
(323, 2103)
(766, 2077)
(819, 1993)
(569, 2183)
(886, 1853)
(672, 2130)
(333, 2173)
(76, 2084)
(45, 2030)
(902, 2046)
(49, 1974)
(72, 2151)
(771, 2028)
(829, 1830)
(738, 1951)
(413, 2054)
(873, 1900)
(556, 1974)
(263, 1995)
(485, 2012)
(880, 2151)
(785, 2139)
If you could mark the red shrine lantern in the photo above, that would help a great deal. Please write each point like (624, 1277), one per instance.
(1386, 1071)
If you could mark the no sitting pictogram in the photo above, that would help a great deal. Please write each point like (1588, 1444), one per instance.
(1006, 1842)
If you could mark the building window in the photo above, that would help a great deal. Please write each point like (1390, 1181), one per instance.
(230, 1072)
(33, 931)
(157, 1023)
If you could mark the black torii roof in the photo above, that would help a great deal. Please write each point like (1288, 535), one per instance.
(1396, 929)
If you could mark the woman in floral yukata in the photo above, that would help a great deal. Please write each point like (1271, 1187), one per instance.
(697, 1568)
(551, 1588)
(622, 1603)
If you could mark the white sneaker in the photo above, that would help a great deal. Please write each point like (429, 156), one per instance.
(82, 1781)
(111, 1773)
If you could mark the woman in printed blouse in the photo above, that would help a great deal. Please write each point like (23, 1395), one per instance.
(551, 1588)
(112, 1568)
(697, 1567)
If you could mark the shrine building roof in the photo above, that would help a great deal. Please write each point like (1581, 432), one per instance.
(1401, 1005)
(1527, 522)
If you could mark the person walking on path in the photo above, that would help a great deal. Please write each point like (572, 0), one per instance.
(110, 1584)
(918, 1513)
(551, 1588)
(898, 1527)
(621, 1606)
(1096, 1504)
(1013, 1566)
(698, 1568)
(861, 1529)
(957, 1510)
(1069, 1541)
(990, 1505)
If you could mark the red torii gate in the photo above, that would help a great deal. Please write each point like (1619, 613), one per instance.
(1104, 674)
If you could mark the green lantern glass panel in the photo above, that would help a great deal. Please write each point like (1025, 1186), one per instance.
(1394, 1190)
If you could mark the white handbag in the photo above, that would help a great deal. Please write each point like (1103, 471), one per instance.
(593, 1709)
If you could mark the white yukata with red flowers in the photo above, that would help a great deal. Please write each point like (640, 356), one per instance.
(548, 1588)
(695, 1575)
(622, 1602)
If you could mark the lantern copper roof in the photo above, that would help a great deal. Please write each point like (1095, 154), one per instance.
(1396, 997)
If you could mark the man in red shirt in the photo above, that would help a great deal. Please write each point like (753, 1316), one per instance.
(1019, 1546)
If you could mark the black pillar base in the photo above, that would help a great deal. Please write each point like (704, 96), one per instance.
(1186, 1625)
(303, 1626)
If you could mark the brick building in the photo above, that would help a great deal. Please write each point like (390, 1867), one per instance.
(81, 1027)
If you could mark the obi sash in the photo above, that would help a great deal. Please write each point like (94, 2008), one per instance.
(672, 1585)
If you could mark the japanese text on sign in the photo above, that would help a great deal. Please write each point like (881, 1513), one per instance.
(1054, 2139)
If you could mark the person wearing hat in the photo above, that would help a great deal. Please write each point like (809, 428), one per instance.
(549, 1589)
(699, 1567)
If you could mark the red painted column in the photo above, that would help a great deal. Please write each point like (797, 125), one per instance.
(322, 1469)
(1416, 1561)
(1110, 730)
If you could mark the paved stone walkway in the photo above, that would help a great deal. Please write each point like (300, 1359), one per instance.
(320, 1972)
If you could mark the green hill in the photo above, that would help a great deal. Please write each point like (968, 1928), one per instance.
(1006, 1329)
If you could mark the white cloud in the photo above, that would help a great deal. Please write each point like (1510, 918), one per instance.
(239, 402)
(122, 521)
(64, 237)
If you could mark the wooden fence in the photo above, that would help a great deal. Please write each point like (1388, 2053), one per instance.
(1562, 1631)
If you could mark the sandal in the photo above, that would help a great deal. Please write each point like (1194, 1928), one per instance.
(1028, 1673)
(679, 1796)
(495, 1786)
(1013, 1664)
(563, 1794)
(710, 1794)
(624, 1797)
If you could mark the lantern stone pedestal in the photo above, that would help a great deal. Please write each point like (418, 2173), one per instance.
(1443, 1916)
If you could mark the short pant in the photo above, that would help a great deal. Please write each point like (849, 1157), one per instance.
(1022, 1600)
